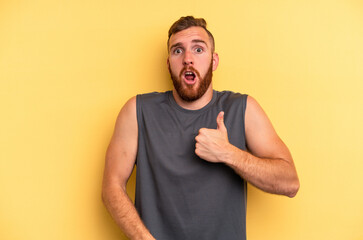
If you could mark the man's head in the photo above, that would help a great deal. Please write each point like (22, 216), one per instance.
(191, 59)
(187, 22)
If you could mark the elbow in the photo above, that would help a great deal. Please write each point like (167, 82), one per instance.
(293, 189)
(104, 196)
(111, 192)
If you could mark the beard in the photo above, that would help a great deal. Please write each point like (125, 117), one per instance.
(190, 93)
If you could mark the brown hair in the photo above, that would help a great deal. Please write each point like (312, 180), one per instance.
(187, 22)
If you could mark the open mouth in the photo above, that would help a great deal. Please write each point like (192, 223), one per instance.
(189, 77)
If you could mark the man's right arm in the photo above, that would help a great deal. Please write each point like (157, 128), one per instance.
(120, 160)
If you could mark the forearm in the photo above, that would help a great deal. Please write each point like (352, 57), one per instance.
(124, 213)
(276, 176)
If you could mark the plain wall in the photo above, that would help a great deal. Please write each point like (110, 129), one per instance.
(67, 67)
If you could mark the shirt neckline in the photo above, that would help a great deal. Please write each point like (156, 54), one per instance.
(174, 104)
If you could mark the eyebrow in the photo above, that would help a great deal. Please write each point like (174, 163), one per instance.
(176, 45)
(199, 41)
(193, 41)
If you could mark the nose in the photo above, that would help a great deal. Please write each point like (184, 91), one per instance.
(188, 58)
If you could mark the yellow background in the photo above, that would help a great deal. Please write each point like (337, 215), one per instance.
(67, 67)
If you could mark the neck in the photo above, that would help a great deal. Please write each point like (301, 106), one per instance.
(197, 104)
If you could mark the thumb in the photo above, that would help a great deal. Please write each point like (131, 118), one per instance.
(220, 122)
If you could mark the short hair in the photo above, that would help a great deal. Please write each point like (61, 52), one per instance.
(187, 22)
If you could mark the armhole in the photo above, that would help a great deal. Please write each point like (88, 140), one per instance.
(139, 120)
(244, 107)
(138, 111)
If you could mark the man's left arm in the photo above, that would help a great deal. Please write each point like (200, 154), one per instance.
(268, 164)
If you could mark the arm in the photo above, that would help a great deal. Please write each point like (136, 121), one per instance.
(268, 165)
(120, 160)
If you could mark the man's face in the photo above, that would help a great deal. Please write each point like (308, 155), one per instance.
(191, 62)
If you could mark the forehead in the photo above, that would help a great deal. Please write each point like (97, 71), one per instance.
(188, 35)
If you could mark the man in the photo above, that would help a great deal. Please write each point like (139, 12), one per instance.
(195, 148)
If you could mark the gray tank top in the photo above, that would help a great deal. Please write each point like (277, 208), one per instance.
(178, 195)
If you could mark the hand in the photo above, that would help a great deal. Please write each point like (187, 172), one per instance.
(212, 144)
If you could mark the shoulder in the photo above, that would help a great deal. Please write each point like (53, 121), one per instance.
(137, 104)
(129, 106)
(253, 107)
(256, 119)
(150, 102)
(230, 94)
(251, 101)
(230, 97)
(152, 96)
(233, 101)
(127, 114)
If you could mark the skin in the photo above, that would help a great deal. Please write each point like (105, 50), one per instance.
(120, 160)
(189, 42)
(268, 164)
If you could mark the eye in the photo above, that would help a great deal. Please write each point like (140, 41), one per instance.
(199, 50)
(177, 51)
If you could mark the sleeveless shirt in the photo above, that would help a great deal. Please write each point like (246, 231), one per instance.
(178, 195)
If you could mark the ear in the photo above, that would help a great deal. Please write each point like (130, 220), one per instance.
(215, 61)
(167, 61)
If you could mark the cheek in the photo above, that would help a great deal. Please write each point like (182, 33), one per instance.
(173, 66)
(172, 70)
